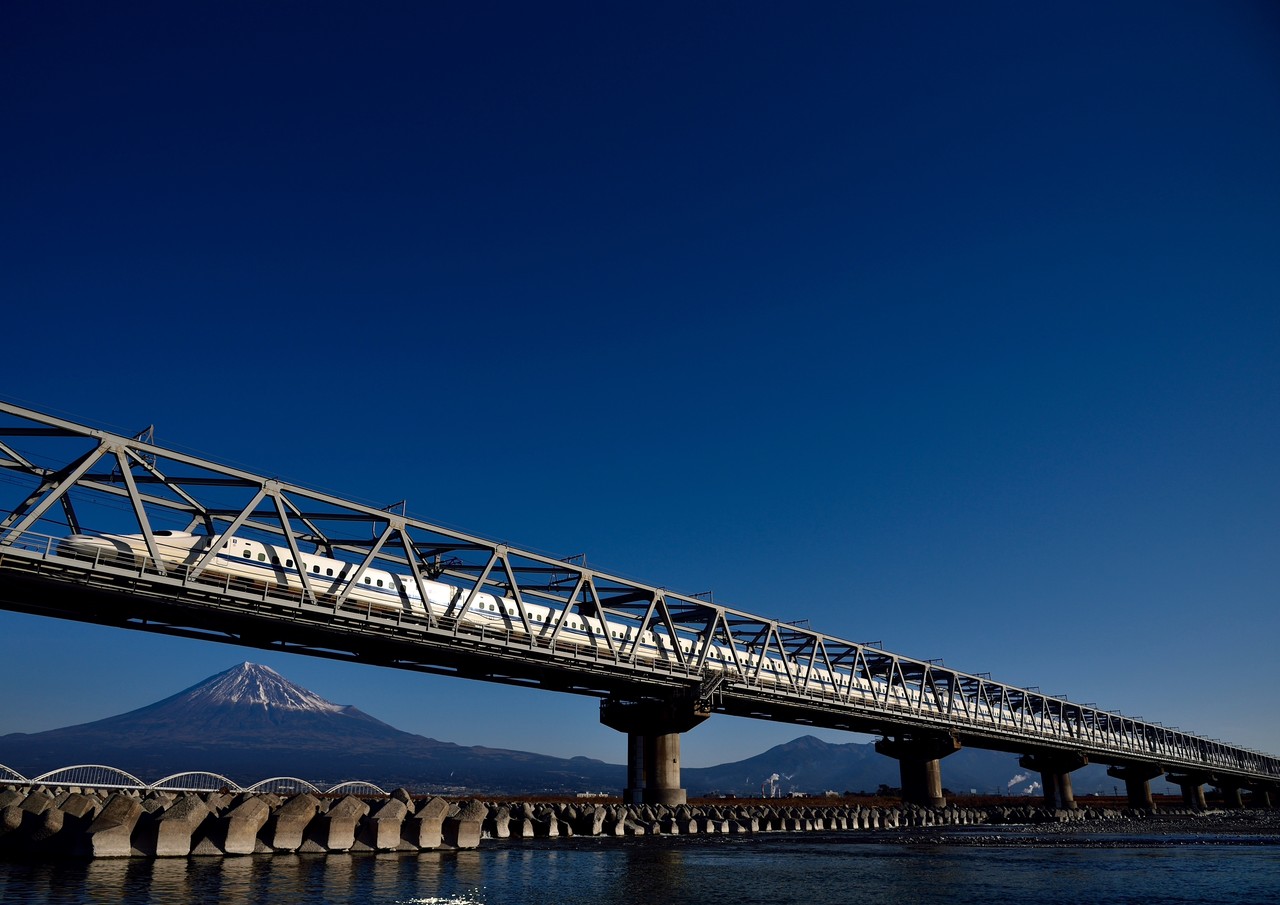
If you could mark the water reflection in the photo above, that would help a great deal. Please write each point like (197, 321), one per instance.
(652, 875)
(684, 872)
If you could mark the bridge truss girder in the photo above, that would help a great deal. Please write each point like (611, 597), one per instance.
(768, 669)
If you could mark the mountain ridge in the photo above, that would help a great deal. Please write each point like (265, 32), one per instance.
(251, 721)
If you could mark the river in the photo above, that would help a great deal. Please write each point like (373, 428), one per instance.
(991, 868)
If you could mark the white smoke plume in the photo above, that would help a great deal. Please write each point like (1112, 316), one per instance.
(1021, 777)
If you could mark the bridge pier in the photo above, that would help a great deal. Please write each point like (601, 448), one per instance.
(1055, 769)
(1137, 783)
(1263, 796)
(1230, 792)
(1192, 785)
(919, 759)
(653, 745)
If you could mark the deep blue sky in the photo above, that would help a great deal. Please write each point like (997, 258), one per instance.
(950, 327)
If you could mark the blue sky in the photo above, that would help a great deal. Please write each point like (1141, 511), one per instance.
(953, 328)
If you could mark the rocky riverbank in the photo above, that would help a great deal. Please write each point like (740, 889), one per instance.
(74, 822)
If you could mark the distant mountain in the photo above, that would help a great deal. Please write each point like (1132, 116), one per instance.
(805, 764)
(811, 765)
(250, 723)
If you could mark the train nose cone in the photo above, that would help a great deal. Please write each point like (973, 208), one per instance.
(80, 546)
(78, 543)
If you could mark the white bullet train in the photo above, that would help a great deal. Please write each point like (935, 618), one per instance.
(253, 564)
(258, 565)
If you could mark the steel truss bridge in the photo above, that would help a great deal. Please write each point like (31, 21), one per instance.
(71, 478)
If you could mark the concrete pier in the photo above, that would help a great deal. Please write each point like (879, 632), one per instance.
(1137, 783)
(1192, 785)
(1055, 769)
(653, 745)
(634, 792)
(919, 759)
(1230, 794)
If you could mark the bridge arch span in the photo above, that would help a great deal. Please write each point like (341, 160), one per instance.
(355, 787)
(200, 781)
(8, 774)
(283, 785)
(98, 776)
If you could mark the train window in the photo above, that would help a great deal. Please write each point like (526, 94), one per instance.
(315, 569)
(329, 572)
(288, 563)
(275, 560)
(379, 582)
(247, 554)
(262, 557)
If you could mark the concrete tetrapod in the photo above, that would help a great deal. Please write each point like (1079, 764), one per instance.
(383, 826)
(111, 832)
(338, 826)
(177, 824)
(462, 829)
(290, 822)
(424, 829)
(243, 824)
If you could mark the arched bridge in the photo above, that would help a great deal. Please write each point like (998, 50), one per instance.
(101, 776)
(117, 530)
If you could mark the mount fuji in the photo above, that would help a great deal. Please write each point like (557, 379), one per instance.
(249, 723)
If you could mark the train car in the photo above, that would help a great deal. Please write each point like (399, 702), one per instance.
(252, 563)
(261, 565)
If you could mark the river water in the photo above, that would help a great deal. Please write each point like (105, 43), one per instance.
(759, 870)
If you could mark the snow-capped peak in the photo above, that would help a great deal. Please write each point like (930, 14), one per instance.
(257, 685)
